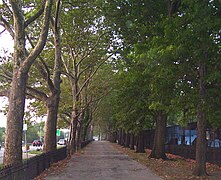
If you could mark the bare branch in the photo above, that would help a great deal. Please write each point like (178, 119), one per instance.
(37, 94)
(5, 93)
(34, 17)
(88, 79)
(7, 26)
(92, 48)
(2, 31)
(43, 70)
(42, 39)
(6, 5)
(8, 78)
(68, 74)
(65, 119)
(66, 66)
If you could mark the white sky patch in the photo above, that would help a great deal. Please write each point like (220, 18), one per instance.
(6, 42)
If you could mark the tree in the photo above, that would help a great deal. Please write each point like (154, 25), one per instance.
(86, 50)
(21, 65)
(2, 134)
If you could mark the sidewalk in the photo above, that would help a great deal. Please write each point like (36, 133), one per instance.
(101, 161)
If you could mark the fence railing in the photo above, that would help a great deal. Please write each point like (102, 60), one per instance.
(34, 166)
(213, 155)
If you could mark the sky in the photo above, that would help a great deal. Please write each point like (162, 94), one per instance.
(6, 43)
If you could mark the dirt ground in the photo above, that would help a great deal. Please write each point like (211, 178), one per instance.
(174, 168)
(99, 161)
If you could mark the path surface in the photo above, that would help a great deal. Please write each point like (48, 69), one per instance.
(101, 161)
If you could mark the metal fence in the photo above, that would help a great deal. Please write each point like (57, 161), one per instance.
(213, 155)
(32, 167)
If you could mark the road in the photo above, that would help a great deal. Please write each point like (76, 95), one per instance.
(101, 161)
(1, 155)
(25, 155)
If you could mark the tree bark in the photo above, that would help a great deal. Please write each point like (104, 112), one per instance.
(52, 104)
(200, 169)
(122, 137)
(127, 140)
(71, 146)
(119, 136)
(79, 136)
(51, 123)
(132, 141)
(13, 145)
(158, 150)
(140, 143)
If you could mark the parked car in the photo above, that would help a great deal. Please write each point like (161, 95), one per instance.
(37, 143)
(62, 142)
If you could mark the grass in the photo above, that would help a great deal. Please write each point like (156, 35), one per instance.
(37, 152)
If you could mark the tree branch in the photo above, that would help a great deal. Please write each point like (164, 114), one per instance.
(5, 93)
(37, 94)
(42, 39)
(6, 25)
(92, 48)
(34, 17)
(86, 81)
(43, 70)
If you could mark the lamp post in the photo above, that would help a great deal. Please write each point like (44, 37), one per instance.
(25, 128)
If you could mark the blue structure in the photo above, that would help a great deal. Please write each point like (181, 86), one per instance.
(178, 135)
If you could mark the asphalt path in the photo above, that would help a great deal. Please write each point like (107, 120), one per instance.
(101, 161)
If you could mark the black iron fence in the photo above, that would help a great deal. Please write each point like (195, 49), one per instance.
(32, 167)
(213, 155)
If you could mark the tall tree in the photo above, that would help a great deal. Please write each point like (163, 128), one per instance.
(21, 66)
(86, 50)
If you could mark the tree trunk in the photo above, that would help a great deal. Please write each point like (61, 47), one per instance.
(140, 143)
(50, 140)
(13, 141)
(51, 123)
(21, 66)
(127, 140)
(119, 136)
(183, 141)
(158, 150)
(112, 137)
(132, 141)
(71, 146)
(79, 137)
(200, 169)
(122, 137)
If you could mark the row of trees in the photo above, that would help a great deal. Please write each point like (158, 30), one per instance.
(164, 67)
(59, 49)
(169, 68)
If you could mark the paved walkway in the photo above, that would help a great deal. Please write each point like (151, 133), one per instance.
(101, 161)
